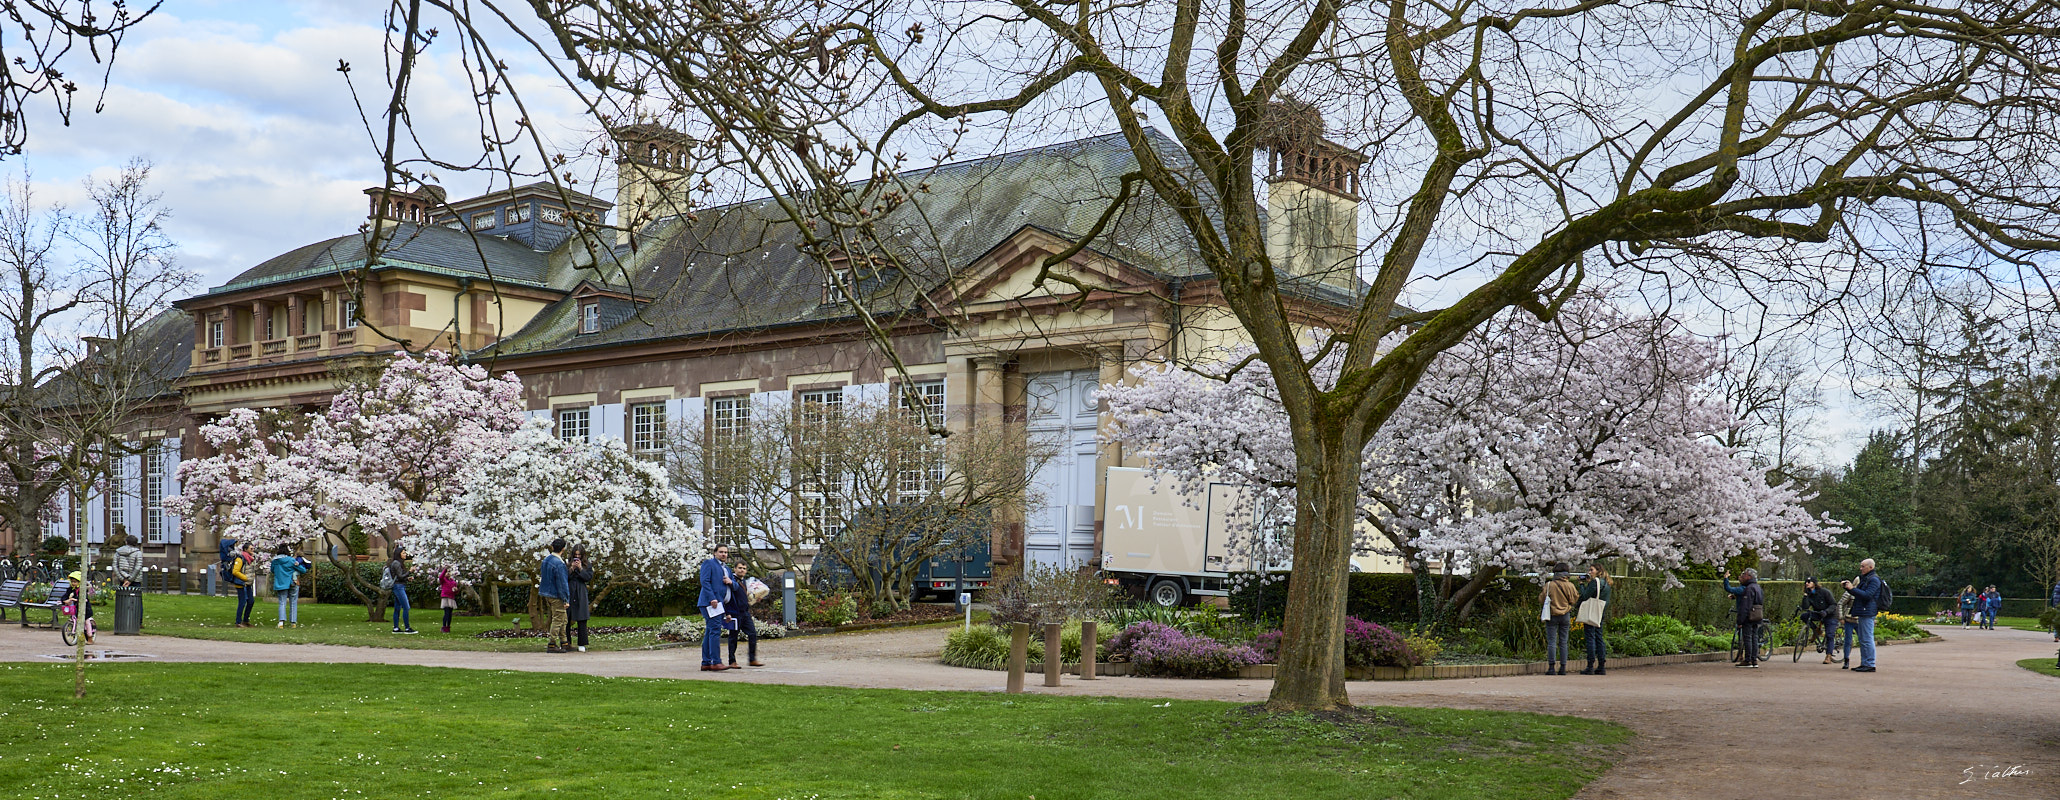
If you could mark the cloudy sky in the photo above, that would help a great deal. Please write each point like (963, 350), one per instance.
(257, 144)
(259, 147)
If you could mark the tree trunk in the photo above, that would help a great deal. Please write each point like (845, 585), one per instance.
(493, 598)
(1311, 673)
(375, 608)
(537, 619)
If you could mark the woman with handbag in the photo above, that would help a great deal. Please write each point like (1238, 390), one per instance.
(1595, 596)
(578, 606)
(1557, 612)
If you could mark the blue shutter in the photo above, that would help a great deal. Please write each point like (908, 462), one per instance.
(174, 530)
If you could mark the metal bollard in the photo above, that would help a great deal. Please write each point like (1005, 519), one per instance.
(182, 580)
(1054, 657)
(1087, 645)
(207, 582)
(1019, 654)
(787, 598)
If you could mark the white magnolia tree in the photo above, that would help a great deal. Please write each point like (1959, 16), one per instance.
(387, 452)
(1594, 436)
(622, 509)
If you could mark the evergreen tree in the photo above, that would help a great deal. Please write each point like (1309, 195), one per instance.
(1874, 500)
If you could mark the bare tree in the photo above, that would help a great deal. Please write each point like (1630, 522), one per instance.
(37, 43)
(864, 482)
(36, 305)
(1770, 149)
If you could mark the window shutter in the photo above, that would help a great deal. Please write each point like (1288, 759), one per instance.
(174, 529)
(684, 422)
(132, 494)
(606, 422)
(865, 393)
(96, 517)
(778, 402)
(61, 510)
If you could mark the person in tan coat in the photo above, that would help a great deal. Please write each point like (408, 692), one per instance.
(1560, 598)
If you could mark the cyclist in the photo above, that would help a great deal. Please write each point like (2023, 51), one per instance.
(76, 595)
(1818, 606)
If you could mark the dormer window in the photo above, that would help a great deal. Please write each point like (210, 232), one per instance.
(589, 317)
(483, 221)
(518, 214)
(553, 215)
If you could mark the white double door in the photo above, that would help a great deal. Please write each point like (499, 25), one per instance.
(1062, 411)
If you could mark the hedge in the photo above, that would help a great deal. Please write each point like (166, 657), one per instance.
(2012, 606)
(1384, 597)
(1390, 598)
(624, 601)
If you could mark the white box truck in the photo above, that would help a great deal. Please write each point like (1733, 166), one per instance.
(1161, 548)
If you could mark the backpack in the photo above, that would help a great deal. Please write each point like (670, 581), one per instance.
(228, 551)
(1883, 598)
(386, 579)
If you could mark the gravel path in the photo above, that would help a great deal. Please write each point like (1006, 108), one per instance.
(1706, 731)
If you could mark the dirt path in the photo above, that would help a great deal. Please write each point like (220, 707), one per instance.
(1706, 731)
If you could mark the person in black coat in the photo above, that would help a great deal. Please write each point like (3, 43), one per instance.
(738, 607)
(577, 608)
(1819, 606)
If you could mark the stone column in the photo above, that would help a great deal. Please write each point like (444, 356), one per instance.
(296, 325)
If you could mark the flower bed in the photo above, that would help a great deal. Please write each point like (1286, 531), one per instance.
(528, 633)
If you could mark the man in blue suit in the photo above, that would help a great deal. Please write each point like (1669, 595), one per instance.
(715, 578)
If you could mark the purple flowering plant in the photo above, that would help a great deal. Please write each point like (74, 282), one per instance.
(1157, 649)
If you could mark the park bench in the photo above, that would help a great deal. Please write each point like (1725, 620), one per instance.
(53, 601)
(10, 596)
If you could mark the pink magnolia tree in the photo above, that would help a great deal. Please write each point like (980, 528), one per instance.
(1592, 436)
(388, 451)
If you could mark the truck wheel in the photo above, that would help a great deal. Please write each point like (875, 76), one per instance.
(1167, 594)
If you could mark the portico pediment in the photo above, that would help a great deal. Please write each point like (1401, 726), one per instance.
(1008, 274)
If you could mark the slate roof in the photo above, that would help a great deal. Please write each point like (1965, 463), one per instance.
(164, 343)
(739, 267)
(434, 249)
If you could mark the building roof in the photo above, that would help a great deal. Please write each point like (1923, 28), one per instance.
(161, 347)
(433, 249)
(739, 267)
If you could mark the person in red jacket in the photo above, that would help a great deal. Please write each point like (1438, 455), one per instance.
(447, 594)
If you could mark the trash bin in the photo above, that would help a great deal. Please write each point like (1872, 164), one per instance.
(128, 610)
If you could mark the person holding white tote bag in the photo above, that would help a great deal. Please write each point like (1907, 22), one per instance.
(1595, 593)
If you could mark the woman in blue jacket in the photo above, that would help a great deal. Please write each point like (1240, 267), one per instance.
(1968, 601)
(286, 571)
(1991, 605)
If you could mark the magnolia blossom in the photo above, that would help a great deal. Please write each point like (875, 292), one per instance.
(622, 509)
(1590, 436)
(382, 456)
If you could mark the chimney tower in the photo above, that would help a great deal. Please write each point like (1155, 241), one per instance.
(1312, 199)
(650, 176)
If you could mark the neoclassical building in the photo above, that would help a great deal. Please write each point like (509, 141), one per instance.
(698, 319)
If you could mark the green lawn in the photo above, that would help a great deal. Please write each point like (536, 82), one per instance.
(199, 617)
(2021, 623)
(319, 730)
(2042, 666)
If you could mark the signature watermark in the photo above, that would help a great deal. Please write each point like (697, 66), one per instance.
(1988, 772)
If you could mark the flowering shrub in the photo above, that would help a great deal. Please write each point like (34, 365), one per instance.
(679, 629)
(772, 630)
(1371, 645)
(826, 611)
(1158, 649)
(1366, 645)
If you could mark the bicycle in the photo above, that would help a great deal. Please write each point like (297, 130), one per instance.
(75, 624)
(1766, 642)
(1813, 636)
